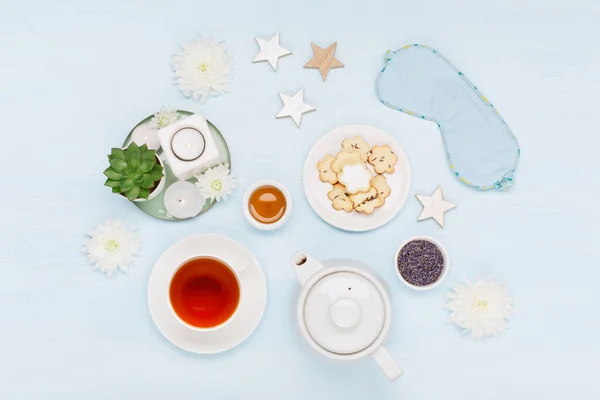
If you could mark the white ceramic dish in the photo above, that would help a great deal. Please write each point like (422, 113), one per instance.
(288, 207)
(442, 275)
(253, 295)
(316, 191)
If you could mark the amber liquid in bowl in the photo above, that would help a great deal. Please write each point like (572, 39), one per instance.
(267, 204)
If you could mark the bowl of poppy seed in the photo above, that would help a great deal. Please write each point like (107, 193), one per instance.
(421, 263)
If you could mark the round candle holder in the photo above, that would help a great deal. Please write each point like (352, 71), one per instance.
(156, 207)
(188, 144)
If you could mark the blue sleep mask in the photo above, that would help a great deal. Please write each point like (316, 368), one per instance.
(481, 149)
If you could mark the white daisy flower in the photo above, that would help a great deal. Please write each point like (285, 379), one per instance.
(482, 307)
(216, 183)
(112, 246)
(164, 117)
(202, 68)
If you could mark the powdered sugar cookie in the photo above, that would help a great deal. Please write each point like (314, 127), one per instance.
(356, 177)
(326, 174)
(383, 159)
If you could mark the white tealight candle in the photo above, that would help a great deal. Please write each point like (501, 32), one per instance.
(197, 130)
(145, 134)
(183, 200)
(188, 144)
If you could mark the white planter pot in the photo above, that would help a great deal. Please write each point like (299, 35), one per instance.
(161, 184)
(158, 189)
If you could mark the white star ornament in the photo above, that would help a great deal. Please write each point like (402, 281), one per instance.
(294, 106)
(434, 206)
(270, 51)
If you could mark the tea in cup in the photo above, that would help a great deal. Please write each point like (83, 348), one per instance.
(204, 292)
(267, 205)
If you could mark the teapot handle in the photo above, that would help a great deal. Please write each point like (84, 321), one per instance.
(305, 266)
(385, 361)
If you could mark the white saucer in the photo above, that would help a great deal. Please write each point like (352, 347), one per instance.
(252, 302)
(316, 191)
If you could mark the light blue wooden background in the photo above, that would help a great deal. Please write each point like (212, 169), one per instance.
(75, 76)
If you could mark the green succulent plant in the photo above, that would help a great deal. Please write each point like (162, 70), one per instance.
(133, 172)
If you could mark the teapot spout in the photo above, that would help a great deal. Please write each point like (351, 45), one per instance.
(305, 266)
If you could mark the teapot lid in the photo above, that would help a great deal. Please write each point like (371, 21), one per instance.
(344, 312)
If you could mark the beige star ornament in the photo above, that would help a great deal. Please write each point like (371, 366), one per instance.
(294, 106)
(324, 59)
(270, 51)
(434, 206)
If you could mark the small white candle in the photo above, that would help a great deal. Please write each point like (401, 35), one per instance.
(211, 150)
(187, 144)
(183, 200)
(145, 134)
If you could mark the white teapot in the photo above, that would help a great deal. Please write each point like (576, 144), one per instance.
(344, 312)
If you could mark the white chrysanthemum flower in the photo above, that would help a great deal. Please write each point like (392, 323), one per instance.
(111, 246)
(482, 307)
(164, 117)
(216, 183)
(202, 68)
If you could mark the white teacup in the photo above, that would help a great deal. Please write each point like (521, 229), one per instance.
(205, 292)
(246, 205)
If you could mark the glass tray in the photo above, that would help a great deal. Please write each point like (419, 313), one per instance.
(156, 207)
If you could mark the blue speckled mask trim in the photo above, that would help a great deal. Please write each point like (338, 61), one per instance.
(481, 149)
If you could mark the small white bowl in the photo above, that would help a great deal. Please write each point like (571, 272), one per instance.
(260, 225)
(444, 270)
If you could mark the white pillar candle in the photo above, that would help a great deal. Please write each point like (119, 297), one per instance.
(145, 134)
(183, 200)
(187, 144)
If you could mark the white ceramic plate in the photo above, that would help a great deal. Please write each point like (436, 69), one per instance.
(252, 302)
(316, 191)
